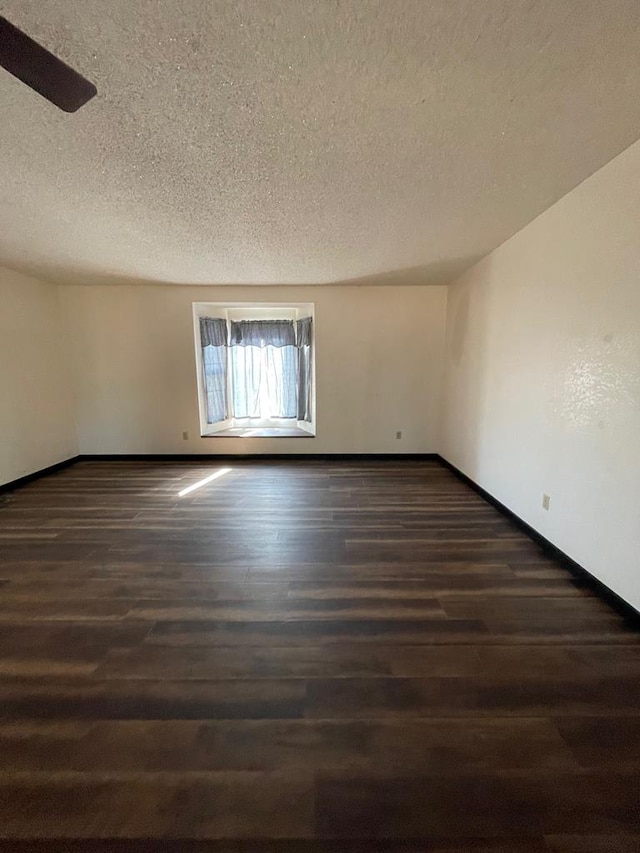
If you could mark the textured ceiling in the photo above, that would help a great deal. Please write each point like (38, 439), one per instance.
(307, 141)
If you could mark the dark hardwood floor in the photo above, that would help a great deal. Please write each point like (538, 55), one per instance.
(303, 656)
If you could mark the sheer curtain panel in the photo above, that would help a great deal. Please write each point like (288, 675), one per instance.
(304, 369)
(263, 369)
(213, 338)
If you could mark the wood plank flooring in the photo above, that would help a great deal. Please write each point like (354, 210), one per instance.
(303, 656)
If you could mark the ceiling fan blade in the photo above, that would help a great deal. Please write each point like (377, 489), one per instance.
(41, 70)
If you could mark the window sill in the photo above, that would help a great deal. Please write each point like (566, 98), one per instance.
(261, 432)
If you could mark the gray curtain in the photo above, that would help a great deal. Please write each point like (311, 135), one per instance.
(263, 369)
(304, 369)
(263, 333)
(213, 338)
(213, 332)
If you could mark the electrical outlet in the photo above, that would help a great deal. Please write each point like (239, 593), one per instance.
(399, 434)
(546, 500)
(185, 436)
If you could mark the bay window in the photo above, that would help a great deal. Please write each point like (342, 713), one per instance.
(255, 369)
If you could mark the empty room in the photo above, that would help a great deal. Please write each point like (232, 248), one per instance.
(320, 426)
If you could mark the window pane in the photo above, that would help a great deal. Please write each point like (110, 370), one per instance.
(245, 381)
(264, 382)
(289, 404)
(214, 360)
(304, 383)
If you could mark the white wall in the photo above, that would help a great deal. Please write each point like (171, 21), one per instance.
(378, 368)
(542, 377)
(37, 425)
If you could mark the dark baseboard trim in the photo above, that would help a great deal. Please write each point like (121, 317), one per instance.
(628, 611)
(43, 472)
(265, 457)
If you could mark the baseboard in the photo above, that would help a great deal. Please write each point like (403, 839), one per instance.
(237, 457)
(628, 611)
(43, 472)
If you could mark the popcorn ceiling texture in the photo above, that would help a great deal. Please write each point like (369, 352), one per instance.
(307, 141)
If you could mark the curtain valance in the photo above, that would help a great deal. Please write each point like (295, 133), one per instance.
(213, 332)
(263, 333)
(304, 332)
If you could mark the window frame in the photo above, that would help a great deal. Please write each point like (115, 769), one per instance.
(251, 311)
